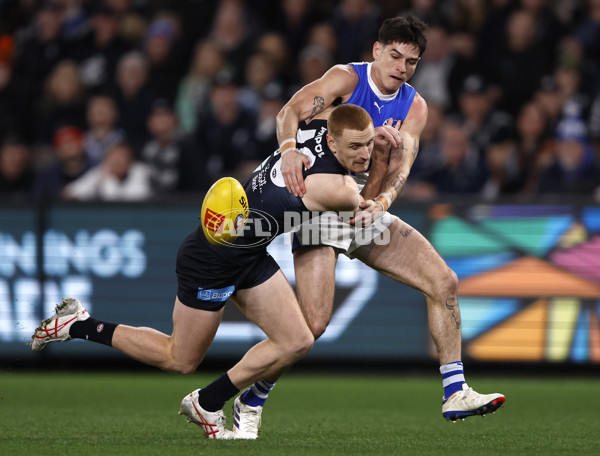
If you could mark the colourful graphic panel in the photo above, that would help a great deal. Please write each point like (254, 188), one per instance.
(529, 282)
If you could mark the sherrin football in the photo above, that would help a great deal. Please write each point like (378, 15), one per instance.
(224, 211)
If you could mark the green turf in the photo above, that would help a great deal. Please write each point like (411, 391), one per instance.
(136, 414)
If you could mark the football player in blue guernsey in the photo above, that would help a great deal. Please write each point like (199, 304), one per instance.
(399, 114)
(207, 275)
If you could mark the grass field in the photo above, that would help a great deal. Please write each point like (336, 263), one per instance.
(136, 414)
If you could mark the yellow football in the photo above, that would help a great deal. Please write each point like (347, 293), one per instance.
(224, 211)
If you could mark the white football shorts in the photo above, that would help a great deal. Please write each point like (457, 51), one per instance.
(330, 229)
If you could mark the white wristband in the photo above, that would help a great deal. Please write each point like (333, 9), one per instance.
(382, 206)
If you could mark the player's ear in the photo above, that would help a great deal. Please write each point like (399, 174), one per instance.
(331, 144)
(377, 48)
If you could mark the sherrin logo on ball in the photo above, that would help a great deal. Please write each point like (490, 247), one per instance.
(224, 211)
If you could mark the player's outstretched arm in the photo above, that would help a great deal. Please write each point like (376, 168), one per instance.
(331, 192)
(306, 104)
(403, 156)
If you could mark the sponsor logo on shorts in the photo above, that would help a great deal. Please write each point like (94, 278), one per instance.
(215, 295)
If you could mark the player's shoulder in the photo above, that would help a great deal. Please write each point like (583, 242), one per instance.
(343, 71)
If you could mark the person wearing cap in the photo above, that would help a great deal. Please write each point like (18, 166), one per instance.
(70, 163)
(478, 113)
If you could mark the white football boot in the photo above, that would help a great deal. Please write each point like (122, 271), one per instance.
(56, 328)
(468, 402)
(246, 420)
(212, 423)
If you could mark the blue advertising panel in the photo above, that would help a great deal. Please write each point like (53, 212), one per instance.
(529, 282)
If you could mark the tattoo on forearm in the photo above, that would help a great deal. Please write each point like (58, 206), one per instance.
(452, 306)
(397, 183)
(318, 105)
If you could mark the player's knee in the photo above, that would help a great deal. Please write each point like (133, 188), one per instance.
(182, 366)
(317, 328)
(300, 346)
(448, 285)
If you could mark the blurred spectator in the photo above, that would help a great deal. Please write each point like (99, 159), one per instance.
(587, 30)
(16, 173)
(261, 77)
(459, 168)
(62, 103)
(225, 135)
(505, 176)
(356, 24)
(192, 95)
(231, 32)
(534, 144)
(465, 63)
(294, 21)
(322, 34)
(548, 28)
(163, 154)
(432, 73)
(594, 121)
(429, 144)
(70, 163)
(164, 58)
(101, 133)
(41, 47)
(274, 45)
(491, 36)
(479, 116)
(520, 66)
(11, 109)
(426, 10)
(575, 169)
(266, 134)
(74, 20)
(133, 97)
(98, 52)
(551, 100)
(467, 16)
(313, 62)
(118, 178)
(567, 75)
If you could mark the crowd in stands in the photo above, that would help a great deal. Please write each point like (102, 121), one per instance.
(134, 100)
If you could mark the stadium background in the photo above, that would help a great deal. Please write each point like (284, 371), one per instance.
(505, 186)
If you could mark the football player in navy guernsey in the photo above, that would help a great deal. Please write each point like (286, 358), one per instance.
(207, 275)
(399, 114)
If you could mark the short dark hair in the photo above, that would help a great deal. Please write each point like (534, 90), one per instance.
(347, 117)
(404, 29)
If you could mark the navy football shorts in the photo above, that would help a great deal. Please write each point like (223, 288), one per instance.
(207, 275)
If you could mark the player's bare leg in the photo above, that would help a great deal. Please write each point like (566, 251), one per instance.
(273, 307)
(411, 259)
(315, 285)
(182, 351)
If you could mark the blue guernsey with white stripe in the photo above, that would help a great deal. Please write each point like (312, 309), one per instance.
(381, 107)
